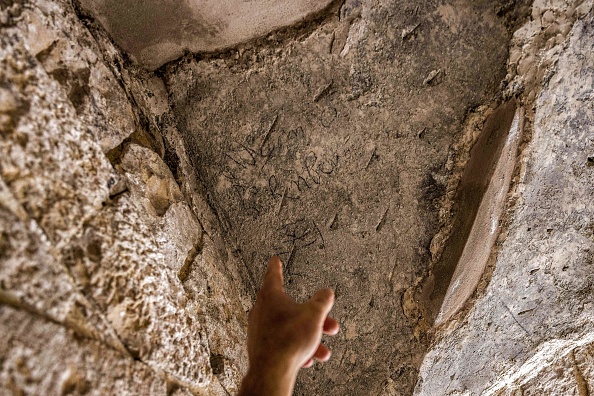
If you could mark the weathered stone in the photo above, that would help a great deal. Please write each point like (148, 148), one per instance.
(70, 55)
(133, 234)
(44, 201)
(89, 248)
(538, 305)
(33, 278)
(329, 151)
(155, 32)
(41, 357)
(150, 178)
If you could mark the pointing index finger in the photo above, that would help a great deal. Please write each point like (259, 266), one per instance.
(274, 274)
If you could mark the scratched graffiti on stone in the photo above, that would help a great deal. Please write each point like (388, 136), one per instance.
(276, 166)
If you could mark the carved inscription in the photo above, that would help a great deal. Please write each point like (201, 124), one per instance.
(274, 165)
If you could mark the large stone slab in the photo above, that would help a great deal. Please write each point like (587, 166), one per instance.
(155, 32)
(331, 151)
(484, 231)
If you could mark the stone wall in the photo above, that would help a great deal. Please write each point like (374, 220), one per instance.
(138, 207)
(111, 279)
(528, 329)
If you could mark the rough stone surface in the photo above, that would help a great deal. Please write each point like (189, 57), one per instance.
(41, 357)
(76, 67)
(330, 149)
(138, 210)
(537, 314)
(98, 238)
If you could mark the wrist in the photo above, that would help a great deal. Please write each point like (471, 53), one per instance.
(269, 380)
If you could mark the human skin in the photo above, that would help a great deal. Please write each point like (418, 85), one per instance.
(284, 336)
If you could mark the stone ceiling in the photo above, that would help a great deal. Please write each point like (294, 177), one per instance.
(155, 32)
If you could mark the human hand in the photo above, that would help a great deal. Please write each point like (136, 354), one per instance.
(284, 336)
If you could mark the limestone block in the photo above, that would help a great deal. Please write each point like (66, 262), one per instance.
(70, 55)
(41, 357)
(141, 295)
(54, 169)
(150, 179)
(44, 199)
(33, 277)
(184, 233)
(226, 342)
(155, 32)
(538, 306)
(77, 250)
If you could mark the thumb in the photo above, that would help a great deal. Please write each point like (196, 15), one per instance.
(322, 302)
